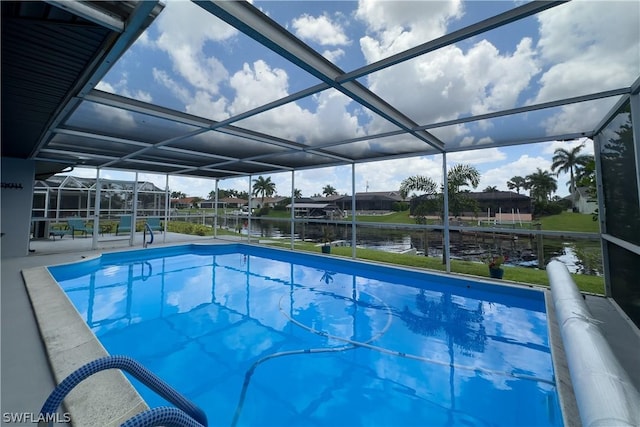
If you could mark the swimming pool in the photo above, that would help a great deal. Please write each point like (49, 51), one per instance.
(267, 337)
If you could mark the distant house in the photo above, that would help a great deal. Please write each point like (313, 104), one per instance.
(316, 210)
(223, 203)
(500, 205)
(504, 202)
(384, 201)
(183, 203)
(584, 203)
(268, 202)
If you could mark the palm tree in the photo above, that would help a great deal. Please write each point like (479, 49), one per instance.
(178, 195)
(566, 161)
(263, 188)
(541, 185)
(462, 176)
(586, 175)
(297, 193)
(491, 189)
(328, 190)
(516, 183)
(459, 176)
(420, 183)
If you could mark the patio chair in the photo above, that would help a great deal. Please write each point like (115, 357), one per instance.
(124, 225)
(61, 232)
(154, 223)
(78, 224)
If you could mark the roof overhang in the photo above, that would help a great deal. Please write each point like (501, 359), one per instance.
(52, 55)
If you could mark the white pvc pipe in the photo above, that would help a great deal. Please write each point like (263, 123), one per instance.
(604, 393)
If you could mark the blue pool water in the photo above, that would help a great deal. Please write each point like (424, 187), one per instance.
(265, 337)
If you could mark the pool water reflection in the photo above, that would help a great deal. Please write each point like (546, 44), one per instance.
(257, 336)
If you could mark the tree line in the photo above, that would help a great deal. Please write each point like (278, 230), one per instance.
(461, 178)
(541, 185)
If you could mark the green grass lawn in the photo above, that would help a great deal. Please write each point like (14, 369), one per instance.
(569, 221)
(392, 218)
(522, 275)
(566, 221)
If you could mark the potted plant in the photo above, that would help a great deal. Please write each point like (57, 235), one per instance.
(326, 240)
(495, 272)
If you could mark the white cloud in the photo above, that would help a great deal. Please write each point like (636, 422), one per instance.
(445, 84)
(583, 117)
(200, 103)
(180, 92)
(320, 30)
(475, 157)
(333, 55)
(600, 51)
(120, 88)
(184, 30)
(450, 83)
(261, 84)
(113, 117)
(257, 84)
(550, 147)
(400, 25)
(205, 105)
(388, 175)
(523, 166)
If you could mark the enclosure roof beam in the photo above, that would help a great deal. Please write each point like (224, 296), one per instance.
(248, 19)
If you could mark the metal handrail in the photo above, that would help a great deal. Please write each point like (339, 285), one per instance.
(144, 235)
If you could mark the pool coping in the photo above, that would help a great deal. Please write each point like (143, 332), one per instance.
(108, 398)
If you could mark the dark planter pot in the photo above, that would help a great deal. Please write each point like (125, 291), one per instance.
(496, 273)
(326, 249)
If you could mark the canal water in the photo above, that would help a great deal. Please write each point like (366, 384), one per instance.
(580, 256)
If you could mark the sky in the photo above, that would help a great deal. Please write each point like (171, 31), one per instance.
(190, 61)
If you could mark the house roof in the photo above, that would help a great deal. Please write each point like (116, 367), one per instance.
(233, 200)
(314, 206)
(269, 199)
(395, 195)
(184, 200)
(497, 195)
(583, 192)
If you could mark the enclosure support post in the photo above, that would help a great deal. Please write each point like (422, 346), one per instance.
(215, 212)
(445, 213)
(134, 211)
(293, 217)
(249, 214)
(96, 212)
(58, 197)
(353, 210)
(167, 195)
(540, 247)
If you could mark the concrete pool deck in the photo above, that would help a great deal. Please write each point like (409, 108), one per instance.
(27, 377)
